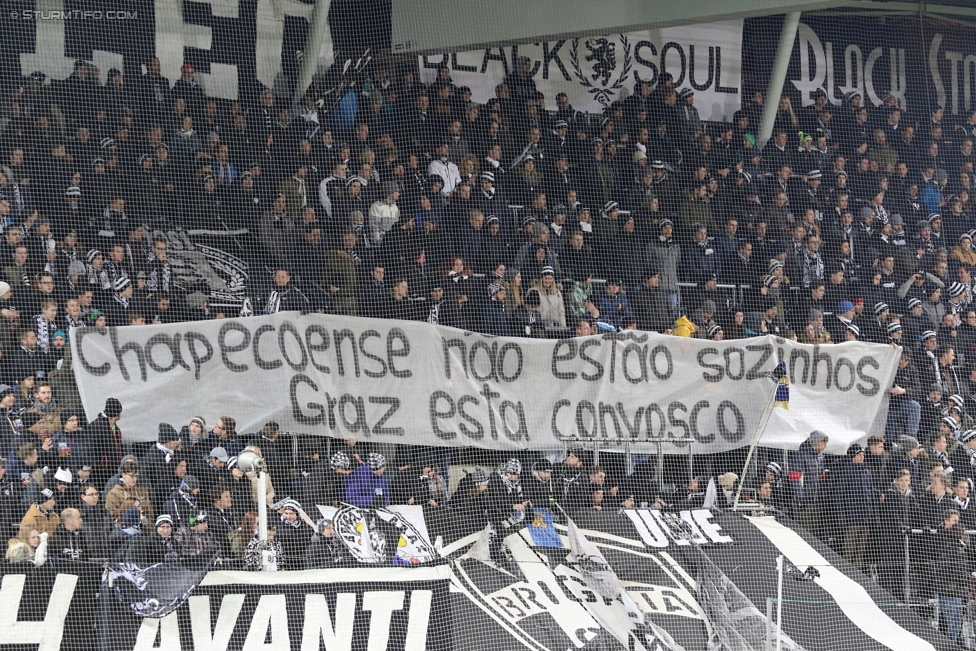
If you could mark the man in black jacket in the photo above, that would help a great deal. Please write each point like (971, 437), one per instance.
(69, 542)
(27, 360)
(106, 440)
(158, 463)
(506, 504)
(651, 306)
(541, 488)
(326, 484)
(97, 522)
(286, 296)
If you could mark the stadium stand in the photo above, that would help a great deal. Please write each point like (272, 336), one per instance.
(135, 203)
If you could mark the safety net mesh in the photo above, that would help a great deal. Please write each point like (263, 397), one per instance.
(581, 343)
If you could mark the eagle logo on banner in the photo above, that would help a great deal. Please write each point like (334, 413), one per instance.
(599, 64)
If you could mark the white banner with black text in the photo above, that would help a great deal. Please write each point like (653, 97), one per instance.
(407, 382)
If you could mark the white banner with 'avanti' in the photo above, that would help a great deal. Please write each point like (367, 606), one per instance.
(407, 382)
(595, 71)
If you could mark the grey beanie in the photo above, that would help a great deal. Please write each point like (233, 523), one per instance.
(816, 436)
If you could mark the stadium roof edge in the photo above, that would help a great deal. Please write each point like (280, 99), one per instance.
(509, 22)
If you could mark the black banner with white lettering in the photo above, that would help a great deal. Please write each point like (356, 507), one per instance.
(48, 607)
(355, 608)
(678, 580)
(921, 62)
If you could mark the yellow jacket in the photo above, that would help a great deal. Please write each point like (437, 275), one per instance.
(683, 327)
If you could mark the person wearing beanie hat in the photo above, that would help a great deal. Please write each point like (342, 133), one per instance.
(367, 486)
(949, 426)
(157, 547)
(837, 324)
(664, 255)
(540, 487)
(158, 464)
(506, 503)
(117, 307)
(779, 491)
(961, 459)
(326, 549)
(914, 320)
(42, 514)
(105, 439)
(495, 319)
(326, 483)
(906, 457)
(807, 467)
(856, 493)
(193, 537)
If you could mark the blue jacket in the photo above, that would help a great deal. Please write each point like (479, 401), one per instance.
(856, 494)
(810, 464)
(609, 312)
(931, 197)
(363, 486)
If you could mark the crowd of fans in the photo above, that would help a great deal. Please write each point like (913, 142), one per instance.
(854, 222)
(79, 496)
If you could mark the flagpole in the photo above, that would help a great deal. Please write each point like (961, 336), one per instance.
(760, 427)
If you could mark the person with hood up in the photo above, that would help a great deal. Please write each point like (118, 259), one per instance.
(157, 464)
(106, 439)
(325, 549)
(366, 487)
(292, 536)
(506, 505)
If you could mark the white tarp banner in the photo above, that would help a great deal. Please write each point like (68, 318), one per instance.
(598, 70)
(407, 382)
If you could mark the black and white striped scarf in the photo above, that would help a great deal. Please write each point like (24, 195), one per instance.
(159, 278)
(99, 278)
(43, 329)
(274, 302)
